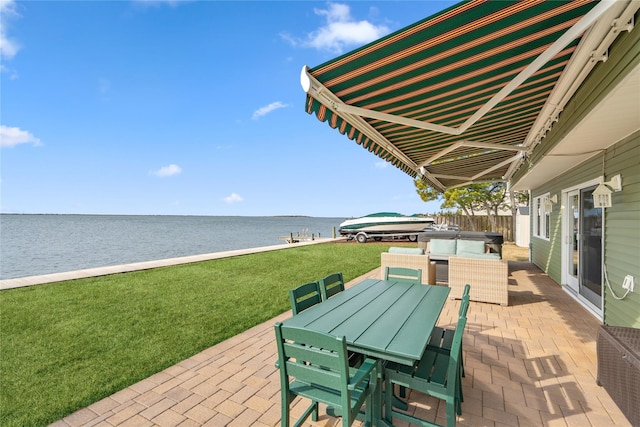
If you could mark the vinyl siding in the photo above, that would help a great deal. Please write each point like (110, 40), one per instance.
(621, 228)
(622, 233)
(548, 254)
(622, 220)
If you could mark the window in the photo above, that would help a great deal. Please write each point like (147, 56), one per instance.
(541, 217)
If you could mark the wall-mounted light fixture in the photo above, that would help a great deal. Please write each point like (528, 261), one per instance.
(602, 193)
(549, 202)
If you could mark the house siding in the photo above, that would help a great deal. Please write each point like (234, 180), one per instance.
(621, 251)
(548, 254)
(622, 233)
(621, 228)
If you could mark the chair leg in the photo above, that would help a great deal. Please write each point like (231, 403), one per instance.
(311, 410)
(368, 414)
(388, 398)
(284, 416)
(451, 411)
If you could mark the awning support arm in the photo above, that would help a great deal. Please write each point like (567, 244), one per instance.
(476, 144)
(312, 86)
(472, 179)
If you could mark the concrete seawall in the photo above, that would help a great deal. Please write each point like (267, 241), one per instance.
(124, 268)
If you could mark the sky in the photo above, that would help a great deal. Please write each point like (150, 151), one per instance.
(186, 108)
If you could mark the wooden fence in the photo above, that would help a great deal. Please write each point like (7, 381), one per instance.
(504, 224)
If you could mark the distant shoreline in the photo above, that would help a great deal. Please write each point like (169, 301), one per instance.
(196, 215)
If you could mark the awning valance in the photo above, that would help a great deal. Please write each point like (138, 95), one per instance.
(459, 96)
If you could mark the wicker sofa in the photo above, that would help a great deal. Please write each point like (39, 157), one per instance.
(442, 249)
(489, 279)
(487, 275)
(410, 259)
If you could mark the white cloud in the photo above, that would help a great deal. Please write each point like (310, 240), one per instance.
(381, 165)
(263, 111)
(233, 198)
(168, 170)
(12, 136)
(8, 46)
(13, 74)
(340, 31)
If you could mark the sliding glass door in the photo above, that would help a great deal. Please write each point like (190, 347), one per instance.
(590, 249)
(583, 246)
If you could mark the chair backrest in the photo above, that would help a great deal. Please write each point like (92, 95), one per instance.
(313, 358)
(446, 361)
(456, 352)
(464, 304)
(331, 285)
(466, 290)
(402, 274)
(305, 296)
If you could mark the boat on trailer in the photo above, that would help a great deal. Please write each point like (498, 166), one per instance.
(385, 224)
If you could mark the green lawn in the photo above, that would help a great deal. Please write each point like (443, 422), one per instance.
(69, 344)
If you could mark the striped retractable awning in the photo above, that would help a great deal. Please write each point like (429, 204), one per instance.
(454, 97)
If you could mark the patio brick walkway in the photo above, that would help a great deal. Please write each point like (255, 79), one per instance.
(532, 363)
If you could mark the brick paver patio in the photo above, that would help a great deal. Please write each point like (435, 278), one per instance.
(532, 363)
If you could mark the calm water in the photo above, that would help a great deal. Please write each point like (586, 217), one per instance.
(42, 244)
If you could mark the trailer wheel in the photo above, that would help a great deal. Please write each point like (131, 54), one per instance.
(413, 238)
(361, 238)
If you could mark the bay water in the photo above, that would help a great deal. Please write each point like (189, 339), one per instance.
(42, 244)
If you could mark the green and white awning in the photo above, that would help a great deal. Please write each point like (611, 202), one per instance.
(460, 96)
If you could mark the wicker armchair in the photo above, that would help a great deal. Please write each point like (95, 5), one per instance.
(489, 279)
(418, 262)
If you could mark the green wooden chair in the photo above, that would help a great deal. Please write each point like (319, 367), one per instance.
(305, 296)
(437, 374)
(402, 274)
(442, 338)
(318, 362)
(331, 285)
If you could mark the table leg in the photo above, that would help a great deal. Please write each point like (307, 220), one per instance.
(378, 418)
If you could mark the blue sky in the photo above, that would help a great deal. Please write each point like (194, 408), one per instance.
(186, 108)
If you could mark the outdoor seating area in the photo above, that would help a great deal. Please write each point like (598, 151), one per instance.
(515, 371)
(486, 273)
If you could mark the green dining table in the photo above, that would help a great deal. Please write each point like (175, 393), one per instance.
(386, 320)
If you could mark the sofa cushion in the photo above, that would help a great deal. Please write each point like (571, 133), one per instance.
(442, 247)
(475, 246)
(477, 255)
(407, 251)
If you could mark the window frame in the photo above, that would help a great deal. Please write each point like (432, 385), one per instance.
(541, 218)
